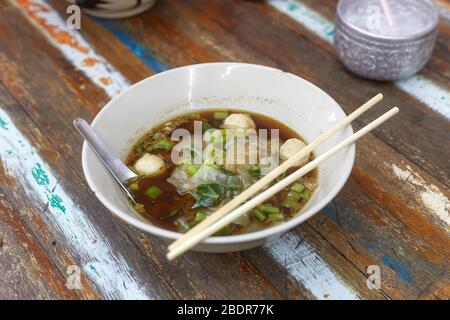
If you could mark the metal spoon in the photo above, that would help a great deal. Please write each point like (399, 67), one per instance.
(115, 166)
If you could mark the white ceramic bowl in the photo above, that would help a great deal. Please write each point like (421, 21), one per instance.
(280, 95)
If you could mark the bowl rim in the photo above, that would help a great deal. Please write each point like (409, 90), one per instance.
(232, 239)
(391, 39)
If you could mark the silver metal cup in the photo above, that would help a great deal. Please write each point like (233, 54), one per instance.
(382, 56)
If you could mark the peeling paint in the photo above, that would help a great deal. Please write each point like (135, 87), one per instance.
(434, 201)
(399, 267)
(74, 47)
(68, 220)
(304, 264)
(105, 269)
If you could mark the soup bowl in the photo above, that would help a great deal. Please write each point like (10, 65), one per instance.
(258, 89)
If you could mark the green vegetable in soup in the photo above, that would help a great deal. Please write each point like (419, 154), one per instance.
(191, 169)
(298, 187)
(254, 172)
(206, 126)
(153, 192)
(259, 215)
(292, 199)
(208, 195)
(228, 229)
(200, 216)
(164, 143)
(276, 217)
(306, 194)
(269, 209)
(220, 115)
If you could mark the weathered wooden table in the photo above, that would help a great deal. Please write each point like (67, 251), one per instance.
(393, 212)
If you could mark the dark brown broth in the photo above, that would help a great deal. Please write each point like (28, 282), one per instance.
(170, 205)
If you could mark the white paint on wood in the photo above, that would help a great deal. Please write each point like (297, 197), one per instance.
(305, 265)
(431, 197)
(74, 47)
(108, 270)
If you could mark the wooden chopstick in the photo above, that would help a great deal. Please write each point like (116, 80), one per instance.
(249, 205)
(272, 175)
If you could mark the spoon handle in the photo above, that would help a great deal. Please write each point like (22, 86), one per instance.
(115, 166)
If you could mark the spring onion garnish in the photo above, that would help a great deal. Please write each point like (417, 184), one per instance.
(206, 126)
(292, 199)
(306, 194)
(164, 144)
(276, 217)
(153, 192)
(269, 209)
(220, 115)
(191, 169)
(259, 215)
(298, 187)
(254, 172)
(200, 216)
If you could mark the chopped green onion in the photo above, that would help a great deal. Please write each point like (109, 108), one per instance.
(294, 195)
(206, 126)
(298, 187)
(276, 217)
(254, 172)
(306, 194)
(191, 169)
(225, 230)
(220, 115)
(269, 209)
(292, 199)
(153, 192)
(289, 203)
(200, 216)
(157, 136)
(164, 144)
(259, 215)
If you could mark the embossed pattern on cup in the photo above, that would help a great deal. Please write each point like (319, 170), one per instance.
(383, 58)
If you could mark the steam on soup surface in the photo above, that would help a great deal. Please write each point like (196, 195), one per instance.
(177, 194)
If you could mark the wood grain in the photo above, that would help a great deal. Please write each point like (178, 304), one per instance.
(383, 215)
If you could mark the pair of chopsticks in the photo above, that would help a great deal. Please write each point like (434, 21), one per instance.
(225, 215)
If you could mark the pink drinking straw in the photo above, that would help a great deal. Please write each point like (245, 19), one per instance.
(390, 19)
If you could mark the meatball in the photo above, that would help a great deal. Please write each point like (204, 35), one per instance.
(291, 147)
(149, 164)
(239, 121)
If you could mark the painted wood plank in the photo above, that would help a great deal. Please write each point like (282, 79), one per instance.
(26, 271)
(102, 266)
(146, 254)
(74, 47)
(330, 288)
